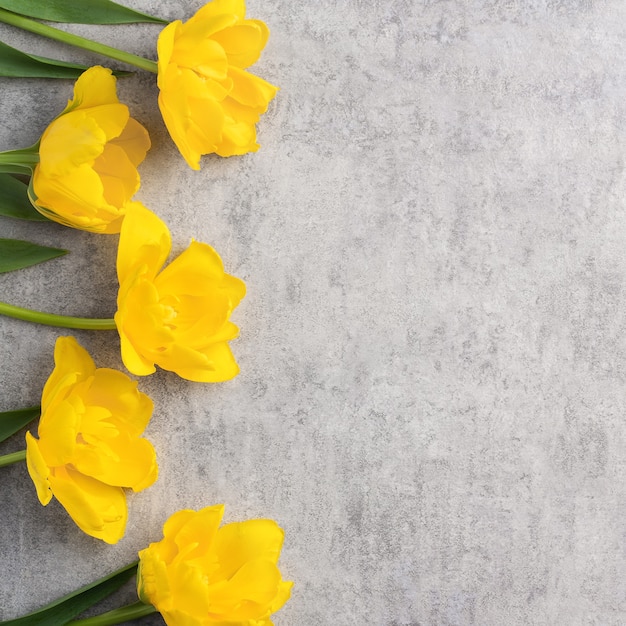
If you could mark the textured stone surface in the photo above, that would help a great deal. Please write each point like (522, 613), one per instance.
(433, 362)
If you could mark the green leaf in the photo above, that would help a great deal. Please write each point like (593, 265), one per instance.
(17, 64)
(63, 610)
(12, 421)
(78, 11)
(16, 254)
(14, 200)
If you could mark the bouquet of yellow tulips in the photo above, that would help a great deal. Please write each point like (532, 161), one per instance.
(83, 173)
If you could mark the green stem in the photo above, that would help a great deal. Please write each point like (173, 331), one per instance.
(116, 616)
(50, 319)
(75, 40)
(27, 156)
(14, 457)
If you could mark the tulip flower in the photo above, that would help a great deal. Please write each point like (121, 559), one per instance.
(89, 447)
(175, 317)
(200, 574)
(207, 100)
(84, 167)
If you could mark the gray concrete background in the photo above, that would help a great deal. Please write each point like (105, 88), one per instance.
(432, 347)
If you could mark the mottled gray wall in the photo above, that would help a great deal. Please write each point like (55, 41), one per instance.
(433, 236)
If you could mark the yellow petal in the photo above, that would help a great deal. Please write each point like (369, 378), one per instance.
(38, 470)
(165, 48)
(198, 528)
(131, 357)
(283, 594)
(119, 177)
(124, 461)
(144, 240)
(72, 360)
(70, 141)
(98, 509)
(240, 542)
(199, 267)
(248, 594)
(194, 123)
(214, 365)
(141, 323)
(251, 90)
(238, 138)
(152, 579)
(219, 7)
(243, 42)
(94, 87)
(134, 140)
(189, 588)
(130, 409)
(77, 200)
(204, 56)
(58, 429)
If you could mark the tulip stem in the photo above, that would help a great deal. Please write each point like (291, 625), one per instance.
(75, 40)
(14, 457)
(116, 616)
(62, 321)
(26, 157)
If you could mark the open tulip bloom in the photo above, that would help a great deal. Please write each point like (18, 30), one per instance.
(84, 167)
(90, 446)
(177, 316)
(199, 574)
(209, 102)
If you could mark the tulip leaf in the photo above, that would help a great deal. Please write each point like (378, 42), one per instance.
(81, 12)
(17, 64)
(14, 200)
(12, 421)
(67, 608)
(16, 254)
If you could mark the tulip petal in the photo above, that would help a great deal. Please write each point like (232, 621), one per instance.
(192, 271)
(94, 87)
(38, 470)
(243, 42)
(198, 528)
(58, 429)
(132, 359)
(134, 141)
(118, 175)
(240, 542)
(72, 364)
(248, 594)
(195, 51)
(122, 462)
(129, 408)
(144, 240)
(219, 7)
(250, 90)
(98, 509)
(215, 364)
(79, 197)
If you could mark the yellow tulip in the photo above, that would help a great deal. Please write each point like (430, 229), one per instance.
(89, 444)
(208, 102)
(88, 158)
(203, 575)
(176, 317)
